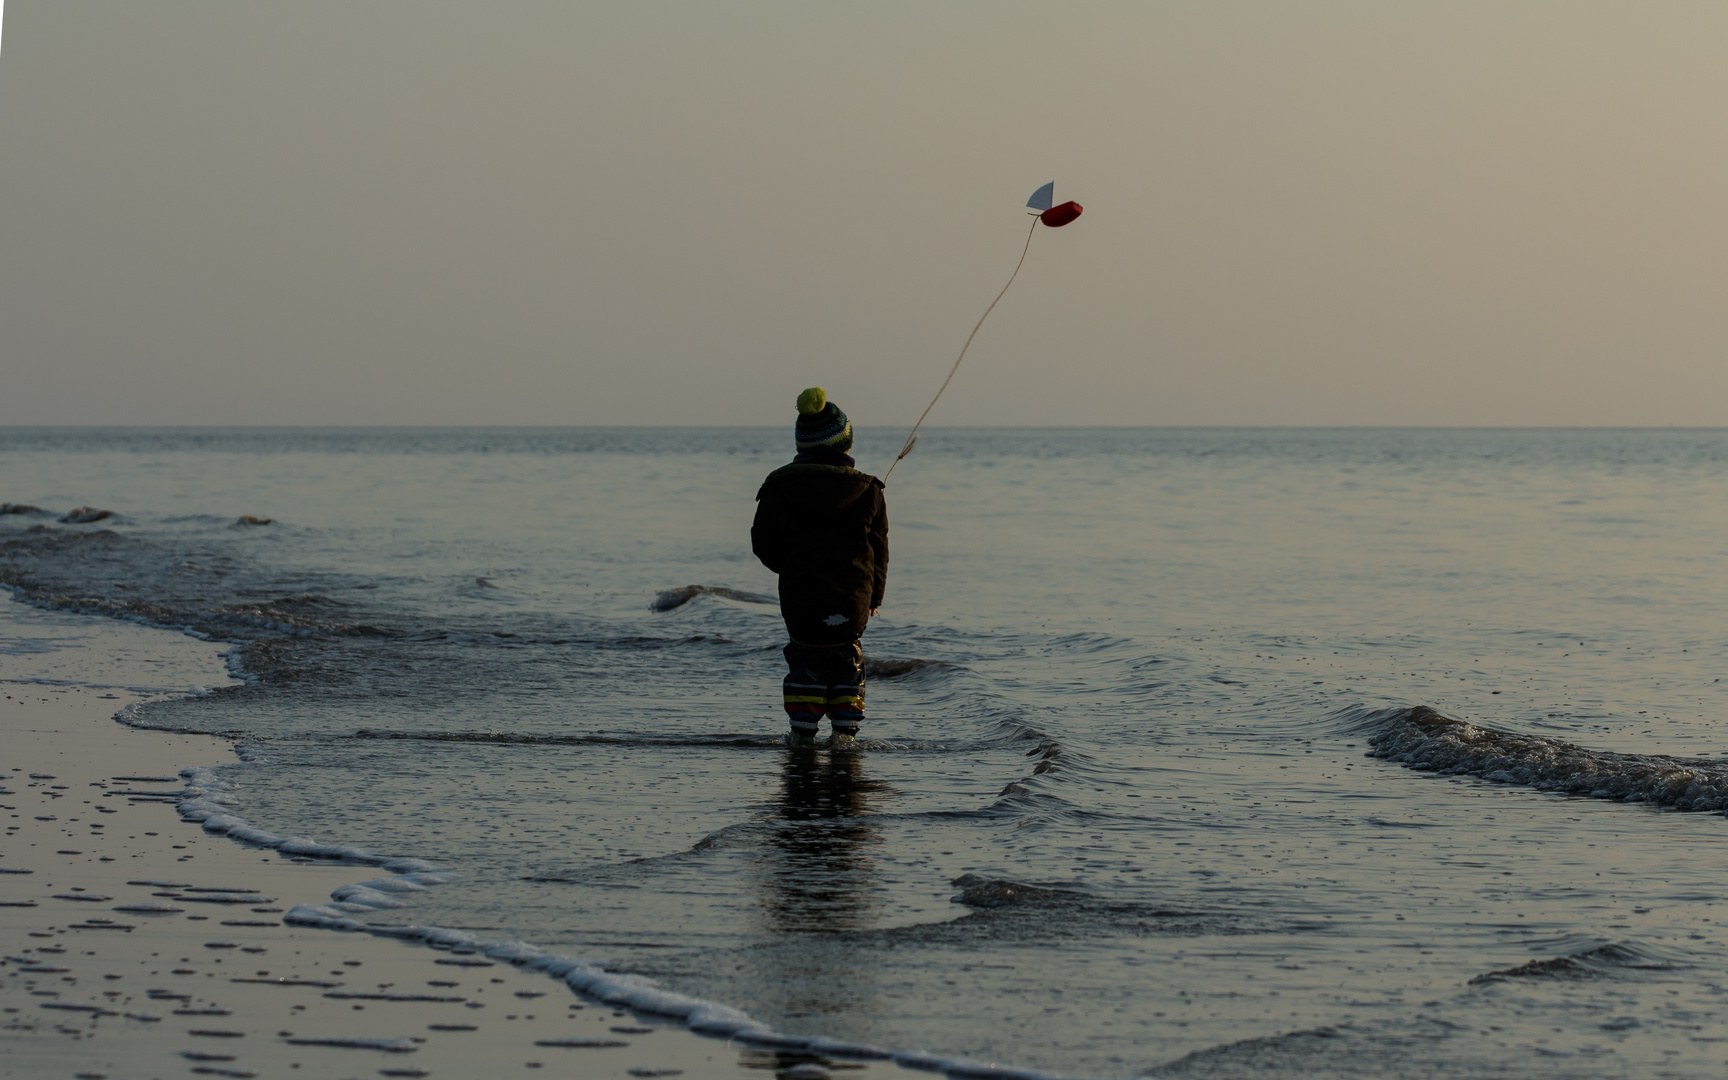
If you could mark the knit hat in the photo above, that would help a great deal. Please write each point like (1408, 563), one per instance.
(821, 423)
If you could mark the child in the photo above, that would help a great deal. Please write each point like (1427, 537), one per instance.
(823, 527)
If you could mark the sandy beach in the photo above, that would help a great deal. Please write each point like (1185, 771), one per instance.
(136, 944)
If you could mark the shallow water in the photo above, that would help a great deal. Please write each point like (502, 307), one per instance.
(1119, 807)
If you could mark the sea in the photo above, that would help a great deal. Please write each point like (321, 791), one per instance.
(1190, 752)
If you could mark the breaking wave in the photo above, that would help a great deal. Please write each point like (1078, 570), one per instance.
(1420, 738)
(1602, 962)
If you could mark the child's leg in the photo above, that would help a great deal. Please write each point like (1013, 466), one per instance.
(806, 688)
(845, 699)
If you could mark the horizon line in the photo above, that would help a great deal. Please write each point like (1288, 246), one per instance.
(878, 427)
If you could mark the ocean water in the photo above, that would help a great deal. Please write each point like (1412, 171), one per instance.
(1190, 752)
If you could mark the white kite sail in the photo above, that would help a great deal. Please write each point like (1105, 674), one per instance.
(1044, 197)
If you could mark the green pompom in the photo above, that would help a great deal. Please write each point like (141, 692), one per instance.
(812, 401)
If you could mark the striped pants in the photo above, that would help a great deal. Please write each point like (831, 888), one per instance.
(825, 680)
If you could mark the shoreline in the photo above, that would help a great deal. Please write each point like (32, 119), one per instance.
(139, 943)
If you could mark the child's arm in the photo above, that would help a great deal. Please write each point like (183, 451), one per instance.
(879, 549)
(765, 534)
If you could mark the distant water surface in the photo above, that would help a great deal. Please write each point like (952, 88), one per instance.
(1120, 808)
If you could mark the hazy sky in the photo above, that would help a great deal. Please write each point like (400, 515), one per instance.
(429, 212)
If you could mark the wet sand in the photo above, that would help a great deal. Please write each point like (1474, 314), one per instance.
(137, 945)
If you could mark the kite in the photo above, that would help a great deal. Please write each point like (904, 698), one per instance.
(1043, 213)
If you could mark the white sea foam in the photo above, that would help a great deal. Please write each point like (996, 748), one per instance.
(251, 835)
(839, 1048)
(919, 1059)
(320, 915)
(402, 884)
(359, 896)
(423, 870)
(768, 1037)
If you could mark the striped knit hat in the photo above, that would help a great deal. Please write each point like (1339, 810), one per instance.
(821, 423)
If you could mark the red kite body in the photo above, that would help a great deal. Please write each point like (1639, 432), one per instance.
(1058, 216)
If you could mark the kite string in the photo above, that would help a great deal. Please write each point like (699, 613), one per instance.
(912, 438)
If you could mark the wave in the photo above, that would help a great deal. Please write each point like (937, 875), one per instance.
(881, 667)
(1602, 962)
(1353, 1050)
(982, 892)
(1006, 910)
(677, 598)
(1420, 738)
(84, 515)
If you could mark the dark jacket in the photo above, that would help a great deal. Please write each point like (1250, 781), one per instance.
(824, 530)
